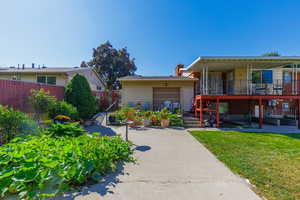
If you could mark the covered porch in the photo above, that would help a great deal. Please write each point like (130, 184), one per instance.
(203, 103)
(246, 75)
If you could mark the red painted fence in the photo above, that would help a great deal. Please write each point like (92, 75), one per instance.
(16, 93)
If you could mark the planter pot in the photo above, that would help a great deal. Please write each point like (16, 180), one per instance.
(147, 122)
(164, 123)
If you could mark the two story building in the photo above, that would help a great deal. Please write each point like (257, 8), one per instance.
(227, 88)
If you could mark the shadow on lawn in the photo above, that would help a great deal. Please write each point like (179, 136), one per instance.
(104, 130)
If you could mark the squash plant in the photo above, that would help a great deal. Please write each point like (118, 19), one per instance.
(37, 167)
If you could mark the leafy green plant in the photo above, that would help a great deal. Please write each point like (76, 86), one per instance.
(66, 129)
(42, 166)
(126, 113)
(165, 113)
(63, 108)
(176, 120)
(14, 123)
(79, 94)
(41, 101)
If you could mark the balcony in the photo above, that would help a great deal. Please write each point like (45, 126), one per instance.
(244, 87)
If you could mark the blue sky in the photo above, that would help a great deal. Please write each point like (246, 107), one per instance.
(159, 34)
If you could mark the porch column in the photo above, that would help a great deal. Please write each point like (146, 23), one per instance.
(218, 113)
(203, 80)
(298, 102)
(201, 114)
(196, 107)
(260, 113)
(206, 79)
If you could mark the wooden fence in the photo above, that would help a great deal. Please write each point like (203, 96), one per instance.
(16, 93)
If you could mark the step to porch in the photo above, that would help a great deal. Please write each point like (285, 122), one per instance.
(190, 121)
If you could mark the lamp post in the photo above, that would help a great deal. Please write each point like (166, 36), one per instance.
(128, 122)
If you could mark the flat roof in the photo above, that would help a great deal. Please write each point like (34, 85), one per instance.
(42, 70)
(229, 62)
(157, 78)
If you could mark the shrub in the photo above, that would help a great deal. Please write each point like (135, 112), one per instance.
(63, 108)
(41, 101)
(79, 94)
(176, 120)
(67, 129)
(165, 113)
(42, 166)
(14, 123)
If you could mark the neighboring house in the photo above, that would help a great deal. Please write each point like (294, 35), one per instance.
(53, 75)
(266, 88)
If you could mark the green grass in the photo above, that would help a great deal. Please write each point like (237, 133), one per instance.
(270, 161)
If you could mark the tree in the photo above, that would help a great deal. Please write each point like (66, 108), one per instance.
(79, 94)
(112, 63)
(272, 53)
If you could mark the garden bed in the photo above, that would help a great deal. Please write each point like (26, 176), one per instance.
(59, 159)
(138, 117)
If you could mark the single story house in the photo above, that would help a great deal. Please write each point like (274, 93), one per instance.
(154, 90)
(53, 75)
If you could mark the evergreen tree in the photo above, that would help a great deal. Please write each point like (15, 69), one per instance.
(79, 94)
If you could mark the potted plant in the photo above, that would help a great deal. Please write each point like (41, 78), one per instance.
(155, 119)
(147, 121)
(164, 118)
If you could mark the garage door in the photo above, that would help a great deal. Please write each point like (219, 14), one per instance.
(160, 95)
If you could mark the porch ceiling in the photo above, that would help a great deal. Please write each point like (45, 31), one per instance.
(228, 63)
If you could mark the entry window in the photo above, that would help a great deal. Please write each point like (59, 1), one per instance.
(262, 76)
(47, 80)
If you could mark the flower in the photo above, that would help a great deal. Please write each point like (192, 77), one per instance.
(62, 118)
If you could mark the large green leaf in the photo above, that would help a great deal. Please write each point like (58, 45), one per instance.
(26, 175)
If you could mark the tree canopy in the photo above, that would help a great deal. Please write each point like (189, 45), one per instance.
(111, 63)
(272, 53)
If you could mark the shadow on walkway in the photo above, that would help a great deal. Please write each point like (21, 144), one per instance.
(104, 130)
(102, 188)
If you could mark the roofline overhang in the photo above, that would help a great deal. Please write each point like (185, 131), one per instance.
(243, 59)
(137, 80)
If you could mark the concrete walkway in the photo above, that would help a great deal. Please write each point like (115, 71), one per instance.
(171, 165)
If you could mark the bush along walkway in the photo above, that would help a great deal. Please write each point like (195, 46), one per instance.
(170, 165)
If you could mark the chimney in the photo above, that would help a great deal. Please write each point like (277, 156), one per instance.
(23, 66)
(32, 65)
(39, 66)
(177, 69)
(18, 66)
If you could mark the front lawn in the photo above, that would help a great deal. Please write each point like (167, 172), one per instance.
(270, 161)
